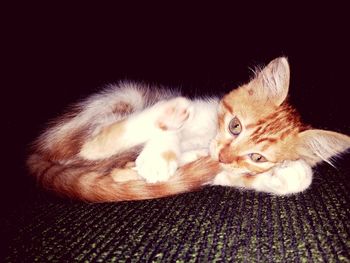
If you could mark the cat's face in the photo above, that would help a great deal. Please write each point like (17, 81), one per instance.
(257, 129)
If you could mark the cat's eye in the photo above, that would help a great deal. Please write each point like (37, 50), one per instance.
(235, 126)
(258, 158)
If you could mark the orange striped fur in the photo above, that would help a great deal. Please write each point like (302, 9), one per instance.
(89, 153)
(271, 128)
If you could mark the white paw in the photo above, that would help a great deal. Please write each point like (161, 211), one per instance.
(288, 178)
(174, 113)
(156, 167)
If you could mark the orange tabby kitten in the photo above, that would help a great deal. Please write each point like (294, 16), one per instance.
(131, 142)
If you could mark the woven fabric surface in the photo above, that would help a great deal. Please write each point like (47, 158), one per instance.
(217, 224)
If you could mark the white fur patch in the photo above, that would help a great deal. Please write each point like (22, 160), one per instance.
(287, 178)
(191, 156)
(152, 165)
(223, 179)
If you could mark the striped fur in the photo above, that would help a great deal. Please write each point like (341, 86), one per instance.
(93, 182)
(272, 129)
(90, 152)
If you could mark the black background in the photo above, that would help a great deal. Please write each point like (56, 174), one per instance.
(54, 54)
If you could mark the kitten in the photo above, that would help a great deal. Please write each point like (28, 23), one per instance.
(132, 142)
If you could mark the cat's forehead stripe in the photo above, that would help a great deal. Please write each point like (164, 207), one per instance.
(280, 123)
(227, 106)
(251, 126)
(269, 140)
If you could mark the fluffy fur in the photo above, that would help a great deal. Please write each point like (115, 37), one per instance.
(132, 142)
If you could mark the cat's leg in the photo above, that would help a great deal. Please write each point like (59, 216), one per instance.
(137, 129)
(193, 155)
(159, 157)
(287, 178)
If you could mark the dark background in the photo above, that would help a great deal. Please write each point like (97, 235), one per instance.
(53, 55)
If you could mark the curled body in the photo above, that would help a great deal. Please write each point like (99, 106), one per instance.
(126, 143)
(133, 141)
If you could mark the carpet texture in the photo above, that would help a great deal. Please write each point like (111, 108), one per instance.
(217, 224)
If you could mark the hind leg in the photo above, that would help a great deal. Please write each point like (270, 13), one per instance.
(138, 128)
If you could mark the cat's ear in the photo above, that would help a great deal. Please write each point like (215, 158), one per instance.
(272, 82)
(315, 146)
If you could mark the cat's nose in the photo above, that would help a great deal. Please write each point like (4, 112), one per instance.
(225, 156)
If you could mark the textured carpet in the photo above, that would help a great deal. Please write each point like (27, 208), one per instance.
(216, 224)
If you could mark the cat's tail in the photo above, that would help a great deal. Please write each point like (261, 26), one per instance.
(99, 184)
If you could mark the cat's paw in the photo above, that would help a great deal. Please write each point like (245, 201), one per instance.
(156, 167)
(287, 178)
(174, 113)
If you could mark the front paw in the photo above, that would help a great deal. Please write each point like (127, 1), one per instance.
(288, 178)
(155, 167)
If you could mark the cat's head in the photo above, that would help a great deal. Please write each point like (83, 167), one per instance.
(258, 129)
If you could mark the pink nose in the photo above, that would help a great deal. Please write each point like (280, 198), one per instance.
(225, 156)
